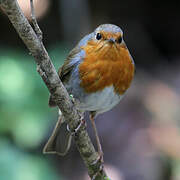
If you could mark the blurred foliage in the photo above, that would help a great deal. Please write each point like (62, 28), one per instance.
(24, 115)
(17, 165)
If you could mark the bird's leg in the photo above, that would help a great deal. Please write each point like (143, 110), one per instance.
(100, 152)
(81, 114)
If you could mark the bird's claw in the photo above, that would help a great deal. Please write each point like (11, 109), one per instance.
(100, 169)
(82, 121)
(99, 159)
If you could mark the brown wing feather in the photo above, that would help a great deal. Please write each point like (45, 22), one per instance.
(64, 72)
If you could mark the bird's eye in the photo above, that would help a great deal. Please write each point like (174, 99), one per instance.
(98, 36)
(119, 40)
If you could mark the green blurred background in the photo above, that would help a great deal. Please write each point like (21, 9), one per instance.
(140, 137)
(25, 117)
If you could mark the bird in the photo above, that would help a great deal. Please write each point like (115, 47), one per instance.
(97, 74)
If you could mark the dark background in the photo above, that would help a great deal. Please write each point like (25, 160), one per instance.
(140, 137)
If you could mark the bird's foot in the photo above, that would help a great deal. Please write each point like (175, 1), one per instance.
(82, 122)
(100, 159)
(101, 167)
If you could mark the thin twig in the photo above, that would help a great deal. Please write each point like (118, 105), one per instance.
(34, 21)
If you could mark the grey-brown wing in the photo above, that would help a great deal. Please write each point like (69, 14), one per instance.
(64, 72)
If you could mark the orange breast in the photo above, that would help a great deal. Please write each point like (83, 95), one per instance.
(105, 65)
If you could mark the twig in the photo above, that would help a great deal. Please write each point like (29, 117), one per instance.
(55, 86)
(34, 21)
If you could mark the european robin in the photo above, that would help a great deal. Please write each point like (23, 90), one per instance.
(97, 73)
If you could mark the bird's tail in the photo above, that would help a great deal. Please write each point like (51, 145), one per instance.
(60, 140)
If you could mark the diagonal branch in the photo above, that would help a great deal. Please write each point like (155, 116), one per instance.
(49, 75)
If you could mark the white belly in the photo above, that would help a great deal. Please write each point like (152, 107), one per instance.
(100, 101)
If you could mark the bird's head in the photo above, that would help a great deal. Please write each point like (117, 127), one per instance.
(106, 43)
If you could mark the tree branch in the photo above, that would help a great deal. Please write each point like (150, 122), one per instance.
(34, 21)
(49, 75)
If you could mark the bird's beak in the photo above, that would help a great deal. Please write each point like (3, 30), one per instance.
(111, 40)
